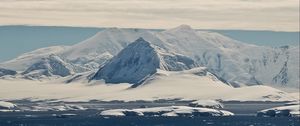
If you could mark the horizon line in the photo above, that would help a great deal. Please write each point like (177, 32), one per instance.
(105, 27)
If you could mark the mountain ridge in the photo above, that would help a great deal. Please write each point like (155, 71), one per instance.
(238, 63)
(140, 60)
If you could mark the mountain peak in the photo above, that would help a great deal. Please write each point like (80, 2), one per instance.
(184, 30)
(183, 27)
(131, 65)
(141, 39)
(138, 61)
(139, 44)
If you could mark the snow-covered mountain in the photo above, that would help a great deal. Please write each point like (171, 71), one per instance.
(104, 45)
(53, 65)
(139, 60)
(235, 62)
(25, 60)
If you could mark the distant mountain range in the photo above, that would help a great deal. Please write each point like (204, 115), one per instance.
(134, 55)
(34, 37)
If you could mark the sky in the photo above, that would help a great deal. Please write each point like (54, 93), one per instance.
(277, 15)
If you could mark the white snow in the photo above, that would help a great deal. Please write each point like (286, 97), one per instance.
(109, 41)
(170, 114)
(238, 63)
(25, 60)
(163, 85)
(7, 105)
(296, 94)
(115, 112)
(167, 111)
(206, 104)
(140, 60)
(47, 107)
(52, 65)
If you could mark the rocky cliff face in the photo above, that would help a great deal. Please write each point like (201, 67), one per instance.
(4, 72)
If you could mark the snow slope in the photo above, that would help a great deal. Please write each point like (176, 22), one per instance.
(235, 62)
(7, 105)
(138, 61)
(109, 42)
(25, 60)
(187, 85)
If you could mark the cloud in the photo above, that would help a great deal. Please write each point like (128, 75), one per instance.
(216, 14)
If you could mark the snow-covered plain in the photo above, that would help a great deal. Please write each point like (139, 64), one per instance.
(163, 85)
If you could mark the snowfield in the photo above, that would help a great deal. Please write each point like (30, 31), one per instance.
(185, 85)
(237, 63)
(142, 65)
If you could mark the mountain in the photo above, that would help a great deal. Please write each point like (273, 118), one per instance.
(237, 63)
(51, 66)
(4, 72)
(25, 60)
(104, 45)
(139, 60)
(212, 51)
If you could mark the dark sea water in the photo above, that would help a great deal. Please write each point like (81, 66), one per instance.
(151, 121)
(245, 115)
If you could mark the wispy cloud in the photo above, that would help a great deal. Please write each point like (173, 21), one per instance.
(218, 14)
